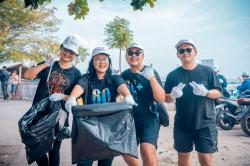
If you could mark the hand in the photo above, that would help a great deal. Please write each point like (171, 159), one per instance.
(56, 97)
(177, 91)
(198, 89)
(49, 61)
(221, 81)
(70, 103)
(130, 100)
(147, 72)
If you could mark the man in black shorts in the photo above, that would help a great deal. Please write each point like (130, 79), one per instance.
(193, 87)
(145, 85)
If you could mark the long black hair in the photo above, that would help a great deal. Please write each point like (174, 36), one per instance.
(92, 72)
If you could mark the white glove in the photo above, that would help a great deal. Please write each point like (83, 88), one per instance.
(70, 103)
(130, 100)
(221, 81)
(147, 72)
(56, 97)
(198, 89)
(49, 61)
(177, 90)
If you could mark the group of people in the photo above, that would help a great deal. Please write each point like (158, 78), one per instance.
(6, 78)
(193, 87)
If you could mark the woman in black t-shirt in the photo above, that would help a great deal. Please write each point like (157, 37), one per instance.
(99, 85)
(60, 82)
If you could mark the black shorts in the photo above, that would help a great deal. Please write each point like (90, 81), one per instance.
(147, 130)
(205, 140)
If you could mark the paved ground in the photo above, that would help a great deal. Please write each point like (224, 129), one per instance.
(234, 146)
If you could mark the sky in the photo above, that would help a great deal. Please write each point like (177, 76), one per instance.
(220, 29)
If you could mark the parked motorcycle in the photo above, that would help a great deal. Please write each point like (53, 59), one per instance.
(230, 112)
(245, 121)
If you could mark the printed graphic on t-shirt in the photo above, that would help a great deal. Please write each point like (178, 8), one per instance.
(57, 82)
(103, 96)
(134, 87)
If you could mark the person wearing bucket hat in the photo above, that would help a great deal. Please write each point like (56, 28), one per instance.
(194, 88)
(57, 79)
(245, 85)
(145, 85)
(223, 81)
(99, 86)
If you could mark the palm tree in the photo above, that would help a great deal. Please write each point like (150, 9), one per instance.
(118, 35)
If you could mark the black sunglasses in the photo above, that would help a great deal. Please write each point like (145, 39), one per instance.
(68, 51)
(137, 52)
(182, 50)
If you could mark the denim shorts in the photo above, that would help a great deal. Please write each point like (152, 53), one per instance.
(13, 88)
(205, 140)
(147, 130)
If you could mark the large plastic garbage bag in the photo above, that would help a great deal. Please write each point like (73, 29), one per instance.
(101, 131)
(159, 110)
(37, 128)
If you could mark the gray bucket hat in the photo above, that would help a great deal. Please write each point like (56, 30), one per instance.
(185, 41)
(99, 50)
(134, 45)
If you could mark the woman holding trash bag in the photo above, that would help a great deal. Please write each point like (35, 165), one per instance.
(57, 79)
(103, 87)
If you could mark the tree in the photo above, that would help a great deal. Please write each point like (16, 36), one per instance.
(80, 8)
(82, 54)
(26, 34)
(118, 35)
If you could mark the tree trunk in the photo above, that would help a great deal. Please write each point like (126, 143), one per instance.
(120, 61)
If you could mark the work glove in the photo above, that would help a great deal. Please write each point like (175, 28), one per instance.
(147, 72)
(49, 61)
(198, 89)
(70, 103)
(177, 90)
(56, 97)
(130, 100)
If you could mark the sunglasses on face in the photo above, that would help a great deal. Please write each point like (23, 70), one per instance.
(182, 50)
(137, 53)
(68, 51)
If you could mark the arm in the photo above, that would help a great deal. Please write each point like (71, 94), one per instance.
(123, 90)
(242, 87)
(77, 91)
(158, 91)
(169, 98)
(32, 72)
(213, 94)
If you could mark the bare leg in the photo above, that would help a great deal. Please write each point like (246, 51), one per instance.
(205, 159)
(148, 154)
(184, 159)
(131, 161)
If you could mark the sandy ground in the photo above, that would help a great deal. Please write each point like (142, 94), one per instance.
(234, 146)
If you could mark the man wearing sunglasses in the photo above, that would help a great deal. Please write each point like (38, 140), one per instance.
(193, 87)
(145, 85)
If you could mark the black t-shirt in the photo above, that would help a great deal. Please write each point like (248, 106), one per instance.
(141, 91)
(192, 111)
(100, 91)
(60, 81)
(4, 76)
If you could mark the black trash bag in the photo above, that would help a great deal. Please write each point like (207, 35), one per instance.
(159, 110)
(101, 131)
(37, 128)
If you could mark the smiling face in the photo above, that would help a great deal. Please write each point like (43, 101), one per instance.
(101, 63)
(134, 57)
(67, 55)
(186, 53)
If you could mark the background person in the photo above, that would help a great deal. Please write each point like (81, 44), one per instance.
(145, 85)
(13, 82)
(101, 86)
(245, 85)
(223, 81)
(194, 88)
(61, 81)
(4, 78)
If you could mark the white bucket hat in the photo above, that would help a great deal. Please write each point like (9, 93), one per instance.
(135, 45)
(71, 43)
(185, 41)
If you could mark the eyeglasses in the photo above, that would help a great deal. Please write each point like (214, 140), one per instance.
(106, 59)
(68, 51)
(137, 53)
(182, 50)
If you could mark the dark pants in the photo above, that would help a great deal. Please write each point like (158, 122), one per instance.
(5, 90)
(54, 156)
(104, 162)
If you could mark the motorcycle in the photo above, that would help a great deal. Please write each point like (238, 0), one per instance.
(245, 121)
(230, 111)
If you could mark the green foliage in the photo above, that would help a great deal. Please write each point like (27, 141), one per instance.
(118, 35)
(26, 34)
(79, 8)
(83, 53)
